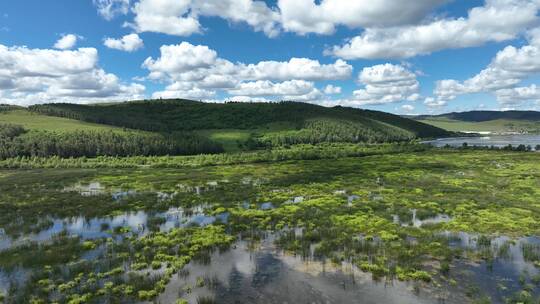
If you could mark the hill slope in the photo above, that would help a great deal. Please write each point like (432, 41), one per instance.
(35, 121)
(27, 133)
(477, 116)
(186, 115)
(486, 121)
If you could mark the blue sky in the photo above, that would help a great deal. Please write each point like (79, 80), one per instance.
(428, 56)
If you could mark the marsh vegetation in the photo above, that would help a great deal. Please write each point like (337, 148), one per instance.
(414, 226)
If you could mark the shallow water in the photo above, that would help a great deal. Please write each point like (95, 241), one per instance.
(487, 141)
(267, 275)
(501, 276)
(416, 222)
(137, 222)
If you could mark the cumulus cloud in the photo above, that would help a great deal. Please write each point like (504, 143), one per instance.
(66, 42)
(518, 95)
(171, 17)
(496, 21)
(178, 90)
(307, 16)
(510, 66)
(30, 76)
(301, 68)
(407, 108)
(268, 88)
(330, 89)
(109, 9)
(385, 83)
(128, 43)
(179, 59)
(254, 13)
(434, 103)
(197, 68)
(181, 17)
(248, 99)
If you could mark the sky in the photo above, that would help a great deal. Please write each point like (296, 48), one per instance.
(404, 57)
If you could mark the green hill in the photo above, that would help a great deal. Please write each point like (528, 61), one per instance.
(486, 121)
(477, 116)
(186, 115)
(28, 133)
(179, 127)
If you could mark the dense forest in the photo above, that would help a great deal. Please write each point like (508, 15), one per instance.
(186, 115)
(16, 141)
(331, 130)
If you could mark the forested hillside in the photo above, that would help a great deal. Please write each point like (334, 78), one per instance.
(186, 115)
(184, 127)
(17, 141)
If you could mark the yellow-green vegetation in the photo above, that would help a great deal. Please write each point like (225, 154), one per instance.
(231, 140)
(90, 280)
(395, 216)
(497, 125)
(34, 121)
(234, 140)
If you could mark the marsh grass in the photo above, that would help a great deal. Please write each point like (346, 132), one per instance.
(496, 195)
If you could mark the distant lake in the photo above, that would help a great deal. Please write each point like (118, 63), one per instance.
(491, 140)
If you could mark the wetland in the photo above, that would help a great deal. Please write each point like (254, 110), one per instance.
(437, 226)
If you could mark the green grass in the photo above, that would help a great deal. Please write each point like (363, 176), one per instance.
(229, 138)
(34, 121)
(498, 125)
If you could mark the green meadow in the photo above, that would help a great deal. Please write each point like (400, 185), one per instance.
(35, 121)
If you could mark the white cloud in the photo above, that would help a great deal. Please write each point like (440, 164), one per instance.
(177, 90)
(268, 88)
(30, 76)
(509, 67)
(181, 17)
(386, 83)
(407, 108)
(171, 17)
(299, 68)
(128, 43)
(306, 16)
(518, 95)
(254, 13)
(66, 42)
(434, 103)
(196, 67)
(181, 58)
(109, 9)
(189, 62)
(497, 20)
(330, 89)
(248, 99)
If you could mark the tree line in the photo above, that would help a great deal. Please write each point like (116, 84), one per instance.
(298, 152)
(15, 141)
